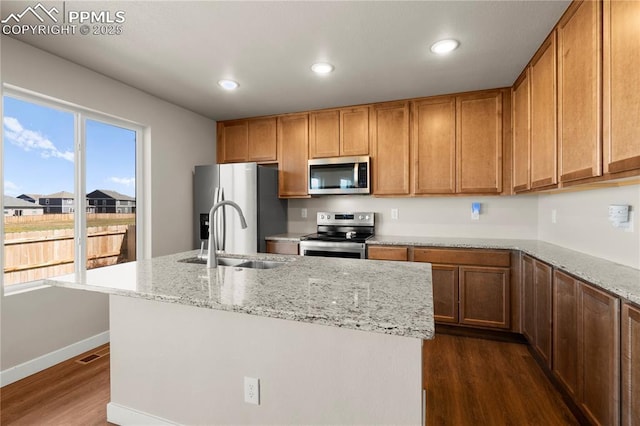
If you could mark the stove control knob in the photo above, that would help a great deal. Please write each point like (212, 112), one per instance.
(328, 216)
(321, 216)
(360, 217)
(367, 217)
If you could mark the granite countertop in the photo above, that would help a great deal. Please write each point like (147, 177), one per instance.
(384, 297)
(620, 280)
(288, 236)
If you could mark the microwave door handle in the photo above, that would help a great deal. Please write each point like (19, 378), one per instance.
(356, 183)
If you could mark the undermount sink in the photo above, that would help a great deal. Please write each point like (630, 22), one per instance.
(237, 262)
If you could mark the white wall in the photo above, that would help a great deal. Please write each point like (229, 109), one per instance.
(500, 217)
(582, 224)
(179, 139)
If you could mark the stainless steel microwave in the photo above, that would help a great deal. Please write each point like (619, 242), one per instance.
(339, 175)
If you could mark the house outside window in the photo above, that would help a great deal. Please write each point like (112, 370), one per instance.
(110, 152)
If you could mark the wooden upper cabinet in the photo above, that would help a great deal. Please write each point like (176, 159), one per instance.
(630, 365)
(354, 131)
(343, 132)
(621, 49)
(262, 140)
(433, 135)
(521, 132)
(390, 148)
(479, 142)
(544, 115)
(579, 89)
(233, 141)
(324, 134)
(293, 148)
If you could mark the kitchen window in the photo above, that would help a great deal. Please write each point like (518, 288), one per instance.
(50, 147)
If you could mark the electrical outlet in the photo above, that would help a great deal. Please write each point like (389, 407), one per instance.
(475, 211)
(303, 212)
(554, 216)
(252, 390)
(394, 214)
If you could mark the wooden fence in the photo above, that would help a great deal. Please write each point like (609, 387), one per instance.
(65, 216)
(35, 255)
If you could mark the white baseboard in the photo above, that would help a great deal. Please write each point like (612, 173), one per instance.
(125, 416)
(13, 374)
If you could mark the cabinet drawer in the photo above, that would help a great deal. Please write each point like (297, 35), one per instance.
(387, 253)
(479, 257)
(282, 247)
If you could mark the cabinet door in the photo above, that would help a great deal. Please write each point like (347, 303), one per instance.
(293, 146)
(565, 332)
(479, 142)
(484, 296)
(630, 365)
(282, 247)
(233, 139)
(354, 131)
(528, 300)
(445, 293)
(621, 81)
(433, 133)
(579, 80)
(262, 139)
(390, 148)
(543, 279)
(324, 134)
(387, 253)
(544, 118)
(599, 355)
(521, 132)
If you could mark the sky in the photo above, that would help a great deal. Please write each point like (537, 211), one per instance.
(38, 154)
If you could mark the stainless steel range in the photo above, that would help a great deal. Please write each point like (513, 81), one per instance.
(339, 235)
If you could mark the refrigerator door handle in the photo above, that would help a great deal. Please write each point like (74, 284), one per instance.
(216, 220)
(223, 234)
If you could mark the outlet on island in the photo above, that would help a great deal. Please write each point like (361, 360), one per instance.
(252, 390)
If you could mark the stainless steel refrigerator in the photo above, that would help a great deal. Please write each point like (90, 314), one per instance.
(255, 189)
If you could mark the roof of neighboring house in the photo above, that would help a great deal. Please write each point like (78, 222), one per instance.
(13, 202)
(61, 194)
(105, 193)
(34, 197)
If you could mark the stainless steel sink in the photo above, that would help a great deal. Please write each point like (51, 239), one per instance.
(260, 264)
(237, 262)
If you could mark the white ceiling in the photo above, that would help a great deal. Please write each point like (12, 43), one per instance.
(178, 50)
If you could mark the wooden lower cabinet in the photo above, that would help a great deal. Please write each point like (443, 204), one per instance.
(484, 296)
(388, 253)
(471, 287)
(630, 365)
(282, 247)
(537, 283)
(445, 293)
(586, 347)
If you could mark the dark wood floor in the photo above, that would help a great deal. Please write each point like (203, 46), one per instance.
(470, 382)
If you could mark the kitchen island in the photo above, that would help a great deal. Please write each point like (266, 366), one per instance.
(331, 340)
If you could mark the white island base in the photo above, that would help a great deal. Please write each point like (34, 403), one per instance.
(177, 364)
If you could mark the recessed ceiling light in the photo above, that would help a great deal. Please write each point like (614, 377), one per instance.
(443, 47)
(322, 68)
(228, 84)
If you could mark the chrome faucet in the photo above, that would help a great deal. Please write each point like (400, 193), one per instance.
(212, 262)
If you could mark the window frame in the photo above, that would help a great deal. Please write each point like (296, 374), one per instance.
(81, 115)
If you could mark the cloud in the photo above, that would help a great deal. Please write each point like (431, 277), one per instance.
(123, 181)
(10, 188)
(31, 140)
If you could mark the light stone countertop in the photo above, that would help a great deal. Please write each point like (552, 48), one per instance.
(383, 297)
(288, 236)
(620, 280)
